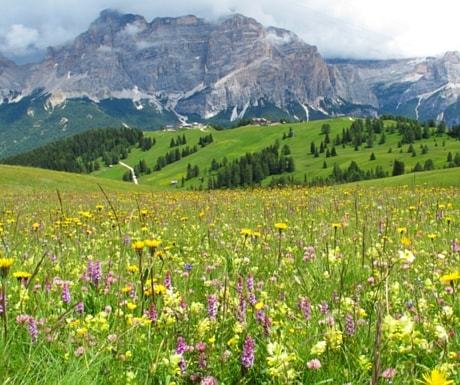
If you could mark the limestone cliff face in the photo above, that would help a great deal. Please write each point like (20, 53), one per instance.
(185, 64)
(11, 79)
(194, 68)
(423, 88)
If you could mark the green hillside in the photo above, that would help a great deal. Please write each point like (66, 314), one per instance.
(27, 179)
(33, 122)
(236, 142)
(437, 178)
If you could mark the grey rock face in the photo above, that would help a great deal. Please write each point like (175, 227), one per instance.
(190, 65)
(11, 80)
(424, 88)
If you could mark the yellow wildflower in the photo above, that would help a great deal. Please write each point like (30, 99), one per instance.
(132, 268)
(281, 226)
(138, 246)
(406, 241)
(5, 264)
(246, 232)
(436, 377)
(447, 279)
(152, 243)
(402, 230)
(20, 275)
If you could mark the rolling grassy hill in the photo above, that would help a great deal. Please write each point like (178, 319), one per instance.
(437, 178)
(236, 142)
(27, 179)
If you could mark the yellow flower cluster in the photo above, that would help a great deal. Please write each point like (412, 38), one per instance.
(279, 361)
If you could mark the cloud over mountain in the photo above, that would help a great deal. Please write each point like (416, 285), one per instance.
(352, 28)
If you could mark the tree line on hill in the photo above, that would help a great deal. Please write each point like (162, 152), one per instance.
(251, 168)
(174, 155)
(362, 132)
(81, 153)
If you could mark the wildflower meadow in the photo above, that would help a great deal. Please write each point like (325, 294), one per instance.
(337, 285)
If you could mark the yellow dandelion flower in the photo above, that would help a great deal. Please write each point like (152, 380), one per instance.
(246, 232)
(159, 289)
(451, 277)
(436, 377)
(132, 268)
(406, 241)
(20, 275)
(138, 246)
(5, 264)
(152, 243)
(281, 226)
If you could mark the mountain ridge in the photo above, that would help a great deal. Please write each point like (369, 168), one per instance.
(182, 69)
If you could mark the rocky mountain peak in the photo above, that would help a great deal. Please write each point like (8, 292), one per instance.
(238, 20)
(114, 18)
(181, 20)
(229, 69)
(452, 56)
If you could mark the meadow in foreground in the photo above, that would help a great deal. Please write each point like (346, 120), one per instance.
(312, 286)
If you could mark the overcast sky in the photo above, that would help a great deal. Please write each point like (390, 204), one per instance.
(340, 28)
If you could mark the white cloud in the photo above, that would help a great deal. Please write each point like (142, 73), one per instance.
(345, 28)
(20, 39)
(132, 29)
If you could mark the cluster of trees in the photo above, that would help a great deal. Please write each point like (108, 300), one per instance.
(250, 169)
(139, 169)
(322, 148)
(361, 132)
(372, 130)
(289, 134)
(354, 173)
(454, 132)
(81, 153)
(411, 129)
(192, 172)
(205, 140)
(453, 161)
(146, 143)
(174, 156)
(179, 141)
(428, 165)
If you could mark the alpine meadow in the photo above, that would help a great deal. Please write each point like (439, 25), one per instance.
(209, 200)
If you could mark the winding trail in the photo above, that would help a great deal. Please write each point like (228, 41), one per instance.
(132, 172)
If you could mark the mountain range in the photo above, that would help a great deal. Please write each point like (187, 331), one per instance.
(125, 70)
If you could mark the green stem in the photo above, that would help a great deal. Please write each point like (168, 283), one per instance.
(4, 314)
